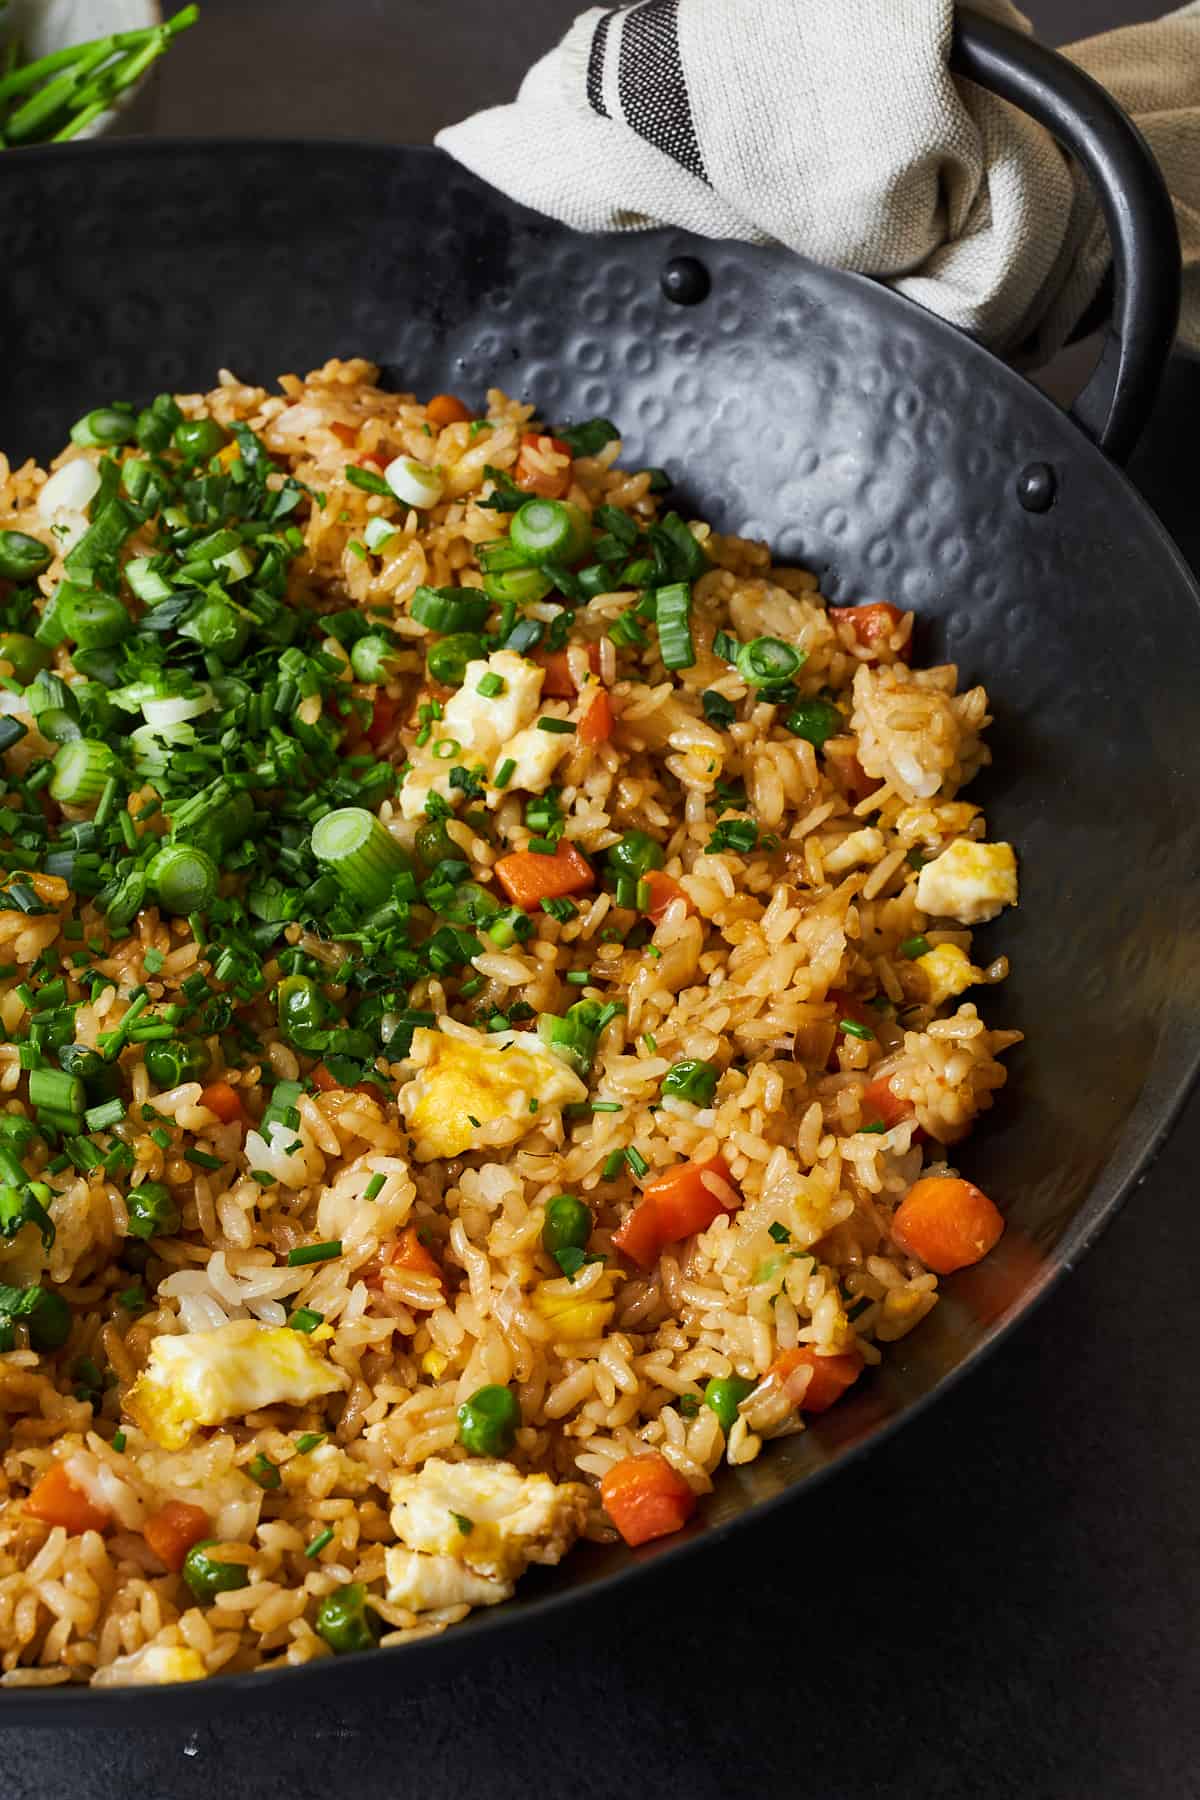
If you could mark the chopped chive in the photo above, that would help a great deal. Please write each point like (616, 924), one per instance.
(319, 1542)
(606, 1106)
(306, 1319)
(613, 1163)
(505, 772)
(563, 727)
(110, 1112)
(261, 1469)
(309, 1440)
(201, 1159)
(915, 946)
(637, 1161)
(374, 1187)
(118, 1441)
(853, 1029)
(314, 1253)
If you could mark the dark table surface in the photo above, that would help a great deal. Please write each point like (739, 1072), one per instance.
(1000, 1602)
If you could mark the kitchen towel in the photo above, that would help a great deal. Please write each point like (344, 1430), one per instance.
(837, 129)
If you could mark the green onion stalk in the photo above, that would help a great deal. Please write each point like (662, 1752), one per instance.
(55, 97)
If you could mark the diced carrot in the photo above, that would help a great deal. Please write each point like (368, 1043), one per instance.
(327, 1084)
(528, 878)
(559, 683)
(173, 1530)
(409, 1252)
(530, 473)
(57, 1501)
(228, 454)
(881, 1105)
(873, 622)
(446, 409)
(830, 1377)
(223, 1100)
(674, 1205)
(383, 719)
(596, 722)
(663, 889)
(378, 459)
(646, 1498)
(638, 1237)
(345, 434)
(947, 1223)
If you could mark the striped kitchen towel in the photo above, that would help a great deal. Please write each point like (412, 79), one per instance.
(836, 129)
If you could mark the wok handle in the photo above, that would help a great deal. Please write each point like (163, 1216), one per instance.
(1116, 403)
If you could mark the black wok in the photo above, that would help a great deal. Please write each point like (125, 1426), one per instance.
(860, 436)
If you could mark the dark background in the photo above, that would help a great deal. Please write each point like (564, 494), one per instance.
(1000, 1602)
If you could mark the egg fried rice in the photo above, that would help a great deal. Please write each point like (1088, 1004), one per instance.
(482, 962)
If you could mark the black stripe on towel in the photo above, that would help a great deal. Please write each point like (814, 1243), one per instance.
(595, 67)
(651, 87)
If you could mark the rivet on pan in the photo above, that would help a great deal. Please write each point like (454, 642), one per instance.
(685, 280)
(1037, 485)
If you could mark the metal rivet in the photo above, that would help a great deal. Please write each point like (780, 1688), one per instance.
(685, 280)
(1037, 484)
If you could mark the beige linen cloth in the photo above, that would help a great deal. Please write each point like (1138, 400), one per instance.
(834, 127)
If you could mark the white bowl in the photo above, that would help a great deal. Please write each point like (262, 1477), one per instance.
(47, 25)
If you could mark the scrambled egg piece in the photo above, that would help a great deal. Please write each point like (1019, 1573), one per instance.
(151, 1666)
(465, 1084)
(488, 732)
(931, 822)
(865, 846)
(487, 1516)
(969, 881)
(575, 1316)
(204, 1377)
(428, 1583)
(949, 971)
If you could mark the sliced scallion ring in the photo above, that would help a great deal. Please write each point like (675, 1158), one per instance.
(413, 483)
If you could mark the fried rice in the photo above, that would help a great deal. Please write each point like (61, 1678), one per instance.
(791, 956)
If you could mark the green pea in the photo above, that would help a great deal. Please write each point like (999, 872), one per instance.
(57, 724)
(106, 425)
(92, 620)
(724, 1398)
(635, 854)
(27, 656)
(152, 1211)
(301, 1005)
(434, 843)
(207, 1576)
(22, 557)
(814, 720)
(446, 660)
(49, 1321)
(343, 1620)
(471, 905)
(488, 1421)
(176, 1060)
(199, 439)
(567, 1224)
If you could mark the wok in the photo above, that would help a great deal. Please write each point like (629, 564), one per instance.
(858, 435)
